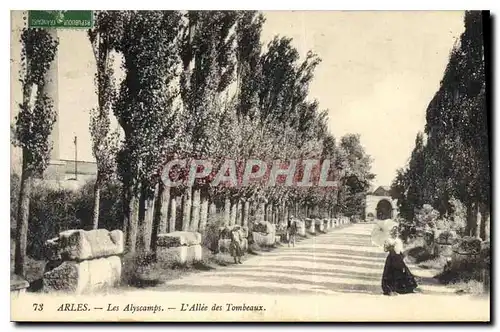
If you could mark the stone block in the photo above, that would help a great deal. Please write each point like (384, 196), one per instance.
(263, 239)
(319, 225)
(224, 245)
(312, 228)
(78, 245)
(264, 227)
(301, 228)
(83, 277)
(177, 239)
(181, 254)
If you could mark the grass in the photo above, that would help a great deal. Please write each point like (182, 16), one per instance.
(437, 263)
(473, 287)
(144, 273)
(465, 279)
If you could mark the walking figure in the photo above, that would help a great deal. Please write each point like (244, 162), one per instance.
(292, 231)
(397, 277)
(235, 248)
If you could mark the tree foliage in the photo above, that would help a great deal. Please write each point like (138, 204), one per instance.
(453, 162)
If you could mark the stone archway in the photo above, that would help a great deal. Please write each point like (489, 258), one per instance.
(387, 209)
(384, 209)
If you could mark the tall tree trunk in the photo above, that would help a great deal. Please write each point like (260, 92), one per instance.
(239, 213)
(195, 213)
(487, 226)
(203, 211)
(227, 211)
(159, 210)
(162, 208)
(22, 219)
(146, 216)
(212, 210)
(131, 219)
(246, 209)
(471, 219)
(97, 198)
(478, 221)
(173, 214)
(261, 212)
(232, 220)
(483, 209)
(150, 216)
(186, 209)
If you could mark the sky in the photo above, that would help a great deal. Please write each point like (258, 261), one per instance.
(378, 73)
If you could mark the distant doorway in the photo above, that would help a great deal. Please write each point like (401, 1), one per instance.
(384, 210)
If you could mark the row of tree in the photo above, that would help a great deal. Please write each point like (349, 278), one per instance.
(451, 160)
(200, 85)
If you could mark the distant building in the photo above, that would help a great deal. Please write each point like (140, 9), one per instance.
(380, 205)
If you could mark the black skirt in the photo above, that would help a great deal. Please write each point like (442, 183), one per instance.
(397, 277)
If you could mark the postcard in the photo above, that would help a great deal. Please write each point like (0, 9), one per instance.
(250, 166)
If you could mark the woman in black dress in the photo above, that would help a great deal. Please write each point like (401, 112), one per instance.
(397, 278)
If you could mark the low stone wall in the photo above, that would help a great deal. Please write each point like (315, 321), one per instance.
(83, 261)
(179, 247)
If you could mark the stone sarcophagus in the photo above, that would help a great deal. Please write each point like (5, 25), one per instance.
(310, 226)
(319, 225)
(83, 261)
(264, 234)
(179, 247)
(224, 242)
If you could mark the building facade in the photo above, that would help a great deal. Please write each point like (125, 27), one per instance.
(380, 205)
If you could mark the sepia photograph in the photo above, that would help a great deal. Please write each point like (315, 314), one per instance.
(250, 166)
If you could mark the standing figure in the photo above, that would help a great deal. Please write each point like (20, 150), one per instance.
(292, 231)
(397, 278)
(235, 248)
